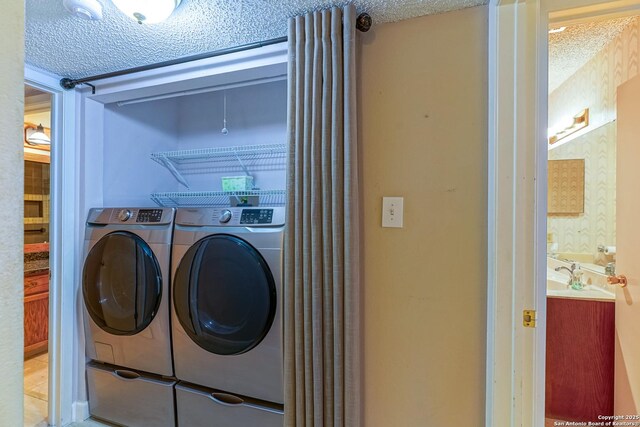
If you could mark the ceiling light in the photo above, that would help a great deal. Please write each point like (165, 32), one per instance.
(147, 11)
(557, 30)
(91, 10)
(36, 135)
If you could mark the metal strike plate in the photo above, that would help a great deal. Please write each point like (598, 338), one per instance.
(529, 318)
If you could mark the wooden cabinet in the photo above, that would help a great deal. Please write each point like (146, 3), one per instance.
(36, 313)
(580, 359)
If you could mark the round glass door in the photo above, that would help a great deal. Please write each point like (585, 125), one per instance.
(224, 295)
(121, 283)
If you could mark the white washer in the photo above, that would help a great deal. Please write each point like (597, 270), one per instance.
(227, 294)
(125, 288)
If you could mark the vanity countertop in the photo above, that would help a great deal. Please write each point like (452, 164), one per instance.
(595, 284)
(36, 263)
(587, 293)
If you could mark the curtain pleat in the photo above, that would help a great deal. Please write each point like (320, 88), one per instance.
(322, 265)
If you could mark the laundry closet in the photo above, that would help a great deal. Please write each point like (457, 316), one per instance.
(187, 163)
(160, 152)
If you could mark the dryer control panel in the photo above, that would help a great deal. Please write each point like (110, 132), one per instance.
(256, 216)
(232, 216)
(131, 216)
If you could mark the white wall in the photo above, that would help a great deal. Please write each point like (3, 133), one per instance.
(131, 134)
(255, 115)
(11, 194)
(423, 135)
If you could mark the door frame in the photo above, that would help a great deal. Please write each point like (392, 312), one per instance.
(64, 243)
(515, 123)
(517, 205)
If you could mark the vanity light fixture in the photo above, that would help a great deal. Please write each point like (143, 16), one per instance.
(579, 121)
(147, 11)
(36, 135)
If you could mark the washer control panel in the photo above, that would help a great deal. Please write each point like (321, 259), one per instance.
(149, 215)
(124, 215)
(225, 216)
(231, 216)
(131, 216)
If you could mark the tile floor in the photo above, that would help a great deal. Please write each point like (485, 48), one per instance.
(36, 390)
(36, 387)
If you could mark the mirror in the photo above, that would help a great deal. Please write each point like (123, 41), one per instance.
(582, 215)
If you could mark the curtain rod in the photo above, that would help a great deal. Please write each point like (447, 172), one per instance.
(363, 24)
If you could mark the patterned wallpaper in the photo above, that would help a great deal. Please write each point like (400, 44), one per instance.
(594, 87)
(583, 233)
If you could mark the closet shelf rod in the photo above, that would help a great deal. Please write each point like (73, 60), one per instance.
(363, 24)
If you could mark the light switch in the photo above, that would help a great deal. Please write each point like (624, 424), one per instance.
(392, 209)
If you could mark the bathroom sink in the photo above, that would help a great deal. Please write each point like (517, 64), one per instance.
(557, 287)
(557, 281)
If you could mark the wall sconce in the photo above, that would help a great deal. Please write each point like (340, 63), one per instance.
(36, 135)
(579, 121)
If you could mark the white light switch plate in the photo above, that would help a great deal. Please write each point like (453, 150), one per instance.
(392, 210)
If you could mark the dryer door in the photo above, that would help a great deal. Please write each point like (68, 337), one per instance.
(121, 283)
(224, 295)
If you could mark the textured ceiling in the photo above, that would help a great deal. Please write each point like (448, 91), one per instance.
(576, 45)
(71, 47)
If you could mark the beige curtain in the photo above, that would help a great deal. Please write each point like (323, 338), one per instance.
(322, 262)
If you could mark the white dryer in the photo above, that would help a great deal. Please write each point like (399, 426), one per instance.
(125, 287)
(227, 300)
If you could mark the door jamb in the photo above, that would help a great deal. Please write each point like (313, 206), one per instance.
(64, 238)
(514, 127)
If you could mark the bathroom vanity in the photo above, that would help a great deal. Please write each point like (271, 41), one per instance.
(580, 350)
(36, 298)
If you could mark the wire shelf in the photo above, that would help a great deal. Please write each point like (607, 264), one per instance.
(218, 198)
(244, 159)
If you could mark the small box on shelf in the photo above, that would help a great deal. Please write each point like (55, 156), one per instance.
(238, 189)
(235, 201)
(237, 183)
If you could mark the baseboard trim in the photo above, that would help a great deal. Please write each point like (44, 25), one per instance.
(80, 411)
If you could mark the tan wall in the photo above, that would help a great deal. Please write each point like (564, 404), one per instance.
(423, 135)
(11, 188)
(43, 119)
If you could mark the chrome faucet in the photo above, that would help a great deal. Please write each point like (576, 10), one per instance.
(575, 275)
(610, 269)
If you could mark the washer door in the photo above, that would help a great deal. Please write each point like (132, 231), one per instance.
(121, 283)
(224, 295)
